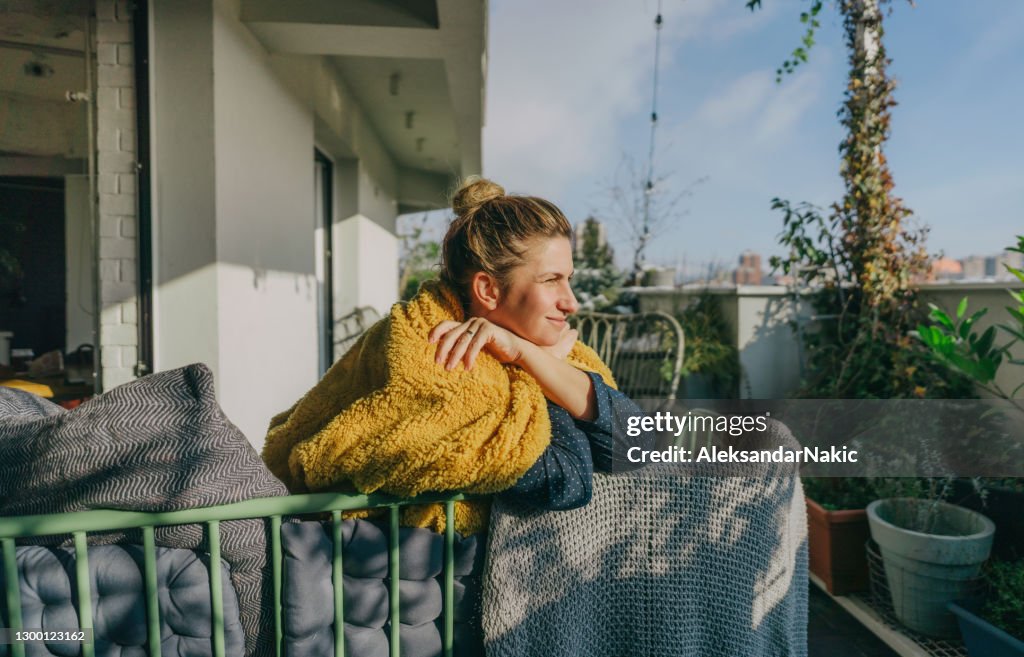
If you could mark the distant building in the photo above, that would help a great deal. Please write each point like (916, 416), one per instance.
(946, 269)
(975, 267)
(991, 267)
(1006, 258)
(749, 270)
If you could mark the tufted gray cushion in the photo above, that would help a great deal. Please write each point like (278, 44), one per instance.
(160, 443)
(49, 601)
(308, 599)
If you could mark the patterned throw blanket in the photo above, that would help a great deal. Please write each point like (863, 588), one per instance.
(660, 563)
(161, 443)
(386, 417)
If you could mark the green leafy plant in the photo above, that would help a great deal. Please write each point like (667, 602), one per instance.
(419, 259)
(859, 346)
(709, 349)
(840, 493)
(956, 342)
(1004, 606)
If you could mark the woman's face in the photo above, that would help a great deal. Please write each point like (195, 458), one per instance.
(539, 298)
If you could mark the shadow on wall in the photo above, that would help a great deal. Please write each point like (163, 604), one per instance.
(770, 351)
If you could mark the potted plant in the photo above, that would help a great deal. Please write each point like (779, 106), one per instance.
(711, 366)
(837, 529)
(996, 629)
(933, 552)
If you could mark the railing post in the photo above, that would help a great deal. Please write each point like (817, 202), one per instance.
(394, 582)
(12, 583)
(449, 578)
(338, 581)
(277, 567)
(216, 591)
(84, 591)
(152, 592)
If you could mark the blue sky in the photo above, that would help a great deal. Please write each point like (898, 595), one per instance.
(569, 88)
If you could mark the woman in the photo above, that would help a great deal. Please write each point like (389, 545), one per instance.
(510, 259)
(477, 384)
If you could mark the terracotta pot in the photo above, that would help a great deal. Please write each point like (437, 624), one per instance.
(836, 540)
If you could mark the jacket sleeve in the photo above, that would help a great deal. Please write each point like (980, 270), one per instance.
(561, 478)
(608, 433)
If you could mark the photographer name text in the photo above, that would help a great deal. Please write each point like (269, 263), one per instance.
(714, 454)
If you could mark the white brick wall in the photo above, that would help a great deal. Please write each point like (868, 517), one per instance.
(118, 214)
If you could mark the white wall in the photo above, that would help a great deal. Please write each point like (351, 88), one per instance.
(185, 314)
(234, 130)
(267, 301)
(365, 266)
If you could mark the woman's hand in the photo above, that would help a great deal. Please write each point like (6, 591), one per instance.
(464, 340)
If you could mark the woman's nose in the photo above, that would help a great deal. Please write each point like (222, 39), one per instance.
(568, 303)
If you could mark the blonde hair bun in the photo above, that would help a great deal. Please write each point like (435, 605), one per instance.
(474, 192)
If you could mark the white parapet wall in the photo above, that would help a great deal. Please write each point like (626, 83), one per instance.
(762, 321)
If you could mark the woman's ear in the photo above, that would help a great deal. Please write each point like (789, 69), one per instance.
(485, 290)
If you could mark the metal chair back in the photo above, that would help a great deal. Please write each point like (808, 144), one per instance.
(643, 350)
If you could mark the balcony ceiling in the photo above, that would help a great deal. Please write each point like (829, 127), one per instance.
(397, 56)
(42, 58)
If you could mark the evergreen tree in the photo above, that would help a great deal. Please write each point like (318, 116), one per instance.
(597, 280)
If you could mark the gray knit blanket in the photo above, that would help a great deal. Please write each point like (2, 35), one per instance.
(708, 562)
(161, 443)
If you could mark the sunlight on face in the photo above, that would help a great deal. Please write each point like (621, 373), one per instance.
(539, 297)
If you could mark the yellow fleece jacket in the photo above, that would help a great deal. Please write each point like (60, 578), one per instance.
(387, 418)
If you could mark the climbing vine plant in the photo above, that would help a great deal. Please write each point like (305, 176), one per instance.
(864, 257)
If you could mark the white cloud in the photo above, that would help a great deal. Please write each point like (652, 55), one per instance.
(737, 103)
(782, 111)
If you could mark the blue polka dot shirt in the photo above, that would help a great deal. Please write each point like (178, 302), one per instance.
(561, 477)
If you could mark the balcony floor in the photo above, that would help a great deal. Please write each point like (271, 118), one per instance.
(832, 632)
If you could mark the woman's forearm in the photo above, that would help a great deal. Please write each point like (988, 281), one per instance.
(562, 383)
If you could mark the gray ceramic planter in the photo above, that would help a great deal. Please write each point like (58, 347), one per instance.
(932, 553)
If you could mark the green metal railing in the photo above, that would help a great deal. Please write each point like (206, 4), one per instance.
(275, 508)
